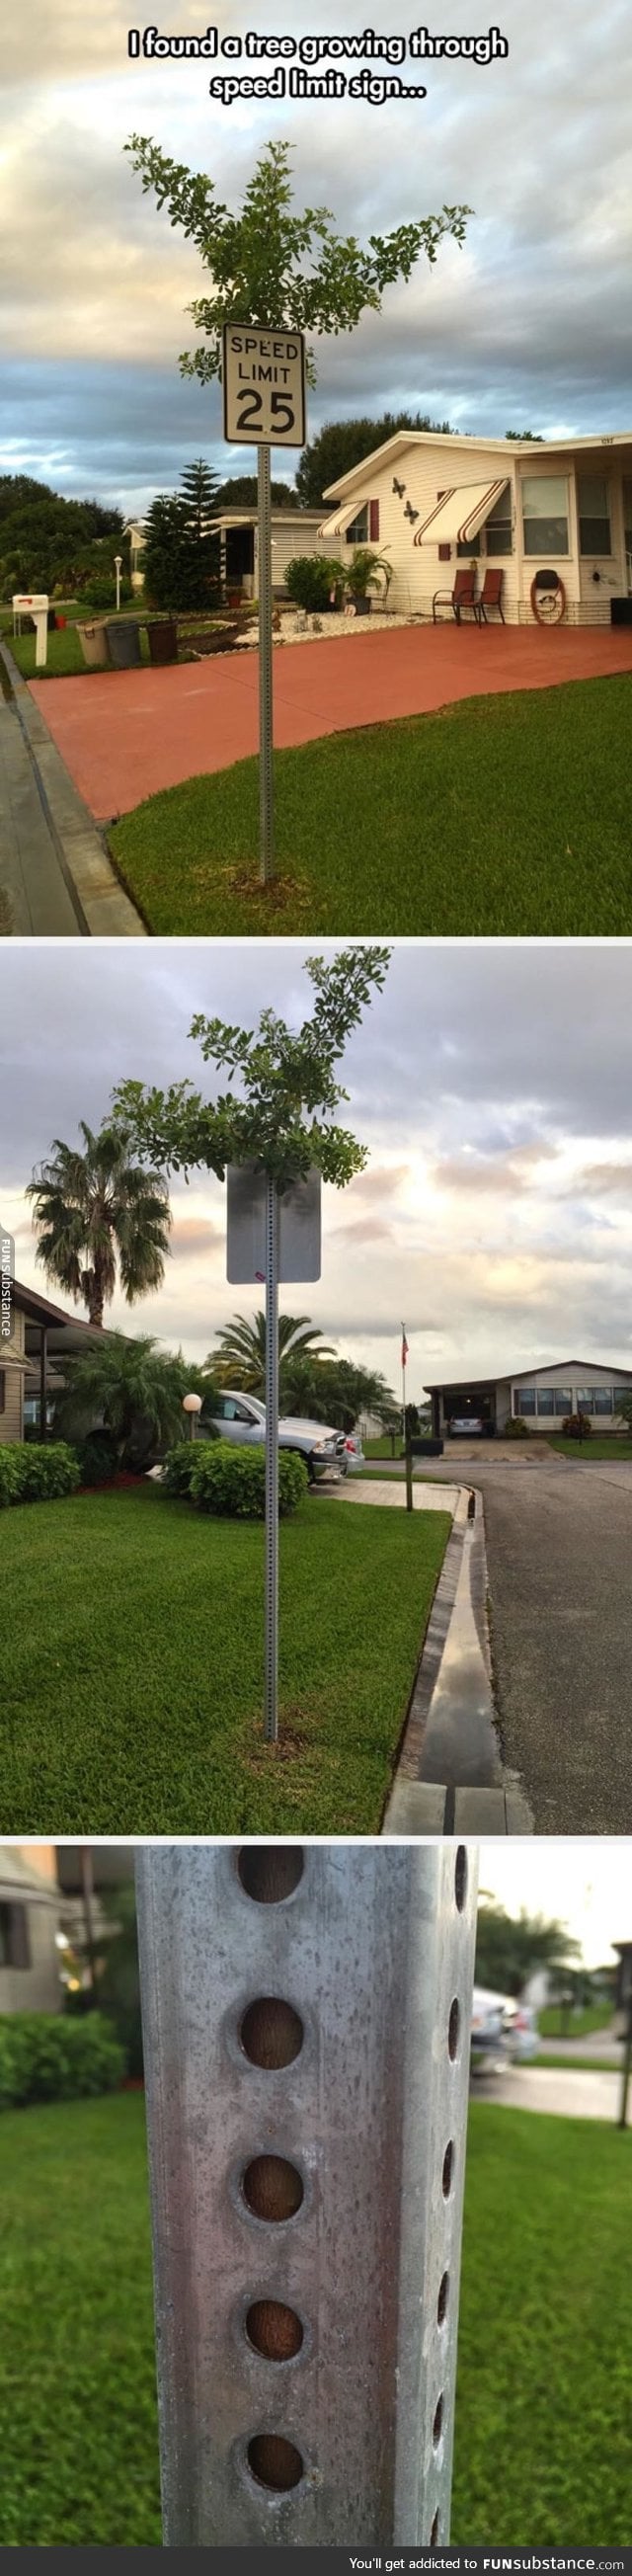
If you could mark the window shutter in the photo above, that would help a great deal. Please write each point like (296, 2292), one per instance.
(374, 523)
(445, 554)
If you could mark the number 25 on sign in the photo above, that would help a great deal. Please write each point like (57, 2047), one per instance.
(264, 387)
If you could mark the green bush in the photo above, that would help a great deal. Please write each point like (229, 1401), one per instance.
(231, 1481)
(516, 1428)
(32, 1472)
(100, 595)
(310, 579)
(97, 1457)
(46, 2058)
(178, 1467)
(576, 1426)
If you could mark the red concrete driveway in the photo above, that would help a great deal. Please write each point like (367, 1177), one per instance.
(128, 734)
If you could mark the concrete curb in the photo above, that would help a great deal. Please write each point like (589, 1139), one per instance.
(102, 907)
(450, 1778)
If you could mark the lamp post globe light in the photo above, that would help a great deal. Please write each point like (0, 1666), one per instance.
(118, 559)
(192, 1405)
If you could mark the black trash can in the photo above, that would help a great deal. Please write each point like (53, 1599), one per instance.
(123, 634)
(621, 612)
(163, 639)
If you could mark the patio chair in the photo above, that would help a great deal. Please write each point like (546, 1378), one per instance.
(491, 595)
(462, 596)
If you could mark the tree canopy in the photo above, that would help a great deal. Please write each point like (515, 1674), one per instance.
(240, 493)
(47, 541)
(341, 444)
(273, 267)
(283, 1118)
(509, 1950)
(181, 564)
(96, 1209)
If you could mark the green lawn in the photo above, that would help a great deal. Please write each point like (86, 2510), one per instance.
(600, 1444)
(553, 2023)
(545, 2355)
(78, 2431)
(544, 2399)
(65, 652)
(131, 1660)
(502, 815)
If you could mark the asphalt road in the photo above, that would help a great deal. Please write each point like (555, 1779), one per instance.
(559, 1556)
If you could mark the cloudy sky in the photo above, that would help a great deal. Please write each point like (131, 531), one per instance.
(528, 325)
(582, 1883)
(491, 1085)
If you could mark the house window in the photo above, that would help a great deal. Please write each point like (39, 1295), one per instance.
(524, 1400)
(564, 1400)
(15, 1947)
(621, 1395)
(546, 1400)
(601, 1399)
(357, 533)
(545, 514)
(594, 515)
(466, 554)
(498, 526)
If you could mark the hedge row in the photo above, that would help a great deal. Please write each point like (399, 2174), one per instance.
(232, 1482)
(32, 1472)
(46, 2058)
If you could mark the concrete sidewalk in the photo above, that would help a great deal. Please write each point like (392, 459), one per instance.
(571, 2096)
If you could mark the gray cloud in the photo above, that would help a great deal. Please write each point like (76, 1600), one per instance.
(527, 326)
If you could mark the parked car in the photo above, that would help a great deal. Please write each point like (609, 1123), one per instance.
(503, 2032)
(242, 1419)
(460, 1425)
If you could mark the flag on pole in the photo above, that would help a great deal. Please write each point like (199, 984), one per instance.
(404, 1347)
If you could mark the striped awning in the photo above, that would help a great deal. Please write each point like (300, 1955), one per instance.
(456, 519)
(340, 519)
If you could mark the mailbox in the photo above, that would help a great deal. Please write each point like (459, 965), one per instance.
(33, 603)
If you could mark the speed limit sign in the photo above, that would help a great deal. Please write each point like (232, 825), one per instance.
(264, 387)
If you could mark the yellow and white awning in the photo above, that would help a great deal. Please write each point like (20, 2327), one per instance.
(456, 519)
(340, 519)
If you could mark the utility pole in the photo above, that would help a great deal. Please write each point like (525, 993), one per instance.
(306, 2015)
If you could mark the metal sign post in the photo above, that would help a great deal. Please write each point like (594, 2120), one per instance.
(271, 1673)
(263, 381)
(306, 2017)
(266, 766)
(272, 1236)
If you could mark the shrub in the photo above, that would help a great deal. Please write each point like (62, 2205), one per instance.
(178, 1467)
(46, 2058)
(37, 1473)
(310, 579)
(231, 1482)
(97, 1458)
(576, 1426)
(99, 595)
(516, 1428)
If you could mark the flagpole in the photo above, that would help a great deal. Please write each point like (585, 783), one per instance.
(404, 1356)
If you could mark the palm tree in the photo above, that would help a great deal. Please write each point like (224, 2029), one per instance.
(97, 1208)
(132, 1388)
(240, 1359)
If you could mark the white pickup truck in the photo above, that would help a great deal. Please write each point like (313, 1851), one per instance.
(242, 1419)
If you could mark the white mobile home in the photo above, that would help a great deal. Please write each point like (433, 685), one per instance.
(555, 519)
(541, 1397)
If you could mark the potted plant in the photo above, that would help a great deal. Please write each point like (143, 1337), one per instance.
(366, 572)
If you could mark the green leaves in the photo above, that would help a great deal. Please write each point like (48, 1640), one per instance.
(283, 1117)
(275, 268)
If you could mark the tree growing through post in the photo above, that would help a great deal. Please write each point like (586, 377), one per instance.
(273, 267)
(279, 1111)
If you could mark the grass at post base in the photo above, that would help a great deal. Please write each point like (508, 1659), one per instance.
(503, 815)
(544, 2389)
(131, 1648)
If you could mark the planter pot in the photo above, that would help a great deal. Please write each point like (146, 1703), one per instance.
(163, 639)
(363, 607)
(94, 646)
(124, 644)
